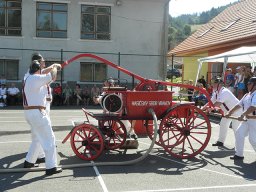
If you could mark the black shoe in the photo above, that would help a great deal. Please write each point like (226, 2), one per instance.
(40, 160)
(53, 170)
(236, 157)
(133, 136)
(28, 165)
(218, 143)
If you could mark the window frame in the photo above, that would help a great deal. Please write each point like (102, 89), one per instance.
(6, 10)
(93, 71)
(5, 69)
(51, 11)
(95, 15)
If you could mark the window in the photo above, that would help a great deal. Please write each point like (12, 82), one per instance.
(48, 63)
(95, 22)
(93, 72)
(229, 25)
(51, 20)
(10, 69)
(10, 17)
(206, 31)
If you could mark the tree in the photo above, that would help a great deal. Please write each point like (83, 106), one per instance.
(187, 30)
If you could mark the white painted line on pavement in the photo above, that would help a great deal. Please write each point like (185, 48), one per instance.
(13, 121)
(64, 116)
(199, 188)
(102, 183)
(10, 142)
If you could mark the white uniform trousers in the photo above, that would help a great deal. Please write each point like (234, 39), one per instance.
(127, 125)
(42, 135)
(48, 107)
(246, 128)
(225, 123)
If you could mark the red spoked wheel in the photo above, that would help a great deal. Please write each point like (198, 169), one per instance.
(149, 124)
(87, 142)
(114, 133)
(185, 131)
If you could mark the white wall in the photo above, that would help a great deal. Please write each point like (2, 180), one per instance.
(136, 28)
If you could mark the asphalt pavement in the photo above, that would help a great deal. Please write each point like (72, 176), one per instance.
(212, 170)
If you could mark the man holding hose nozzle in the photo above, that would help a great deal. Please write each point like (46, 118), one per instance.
(34, 102)
(224, 99)
(248, 127)
(47, 89)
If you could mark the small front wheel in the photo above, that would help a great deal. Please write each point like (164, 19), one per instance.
(87, 142)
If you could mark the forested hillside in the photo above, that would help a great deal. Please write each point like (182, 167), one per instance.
(183, 26)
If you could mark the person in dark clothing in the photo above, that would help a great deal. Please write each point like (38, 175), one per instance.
(190, 91)
(202, 80)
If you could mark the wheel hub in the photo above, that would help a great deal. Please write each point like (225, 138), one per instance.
(186, 132)
(85, 142)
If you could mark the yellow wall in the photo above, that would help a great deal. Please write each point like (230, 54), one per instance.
(190, 67)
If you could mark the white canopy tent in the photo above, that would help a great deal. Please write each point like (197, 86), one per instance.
(239, 55)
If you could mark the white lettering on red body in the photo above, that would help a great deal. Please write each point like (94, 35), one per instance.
(150, 103)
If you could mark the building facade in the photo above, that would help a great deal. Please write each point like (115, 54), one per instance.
(130, 33)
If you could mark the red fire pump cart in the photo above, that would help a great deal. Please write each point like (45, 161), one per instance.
(184, 129)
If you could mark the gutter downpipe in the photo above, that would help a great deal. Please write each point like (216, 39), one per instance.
(164, 43)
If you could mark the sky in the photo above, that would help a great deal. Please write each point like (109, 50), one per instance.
(179, 7)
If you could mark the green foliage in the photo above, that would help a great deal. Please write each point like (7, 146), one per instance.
(183, 26)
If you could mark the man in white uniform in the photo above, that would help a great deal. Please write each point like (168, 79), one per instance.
(34, 101)
(47, 88)
(224, 99)
(248, 127)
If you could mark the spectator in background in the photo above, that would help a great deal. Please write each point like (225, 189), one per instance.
(86, 95)
(248, 74)
(3, 94)
(202, 80)
(67, 93)
(198, 97)
(239, 84)
(229, 80)
(190, 91)
(95, 91)
(210, 89)
(13, 93)
(57, 92)
(78, 94)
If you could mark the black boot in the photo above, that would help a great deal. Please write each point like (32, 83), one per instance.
(28, 165)
(236, 157)
(53, 170)
(40, 160)
(218, 143)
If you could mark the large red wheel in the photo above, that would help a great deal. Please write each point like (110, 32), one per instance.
(87, 142)
(149, 124)
(114, 133)
(185, 131)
